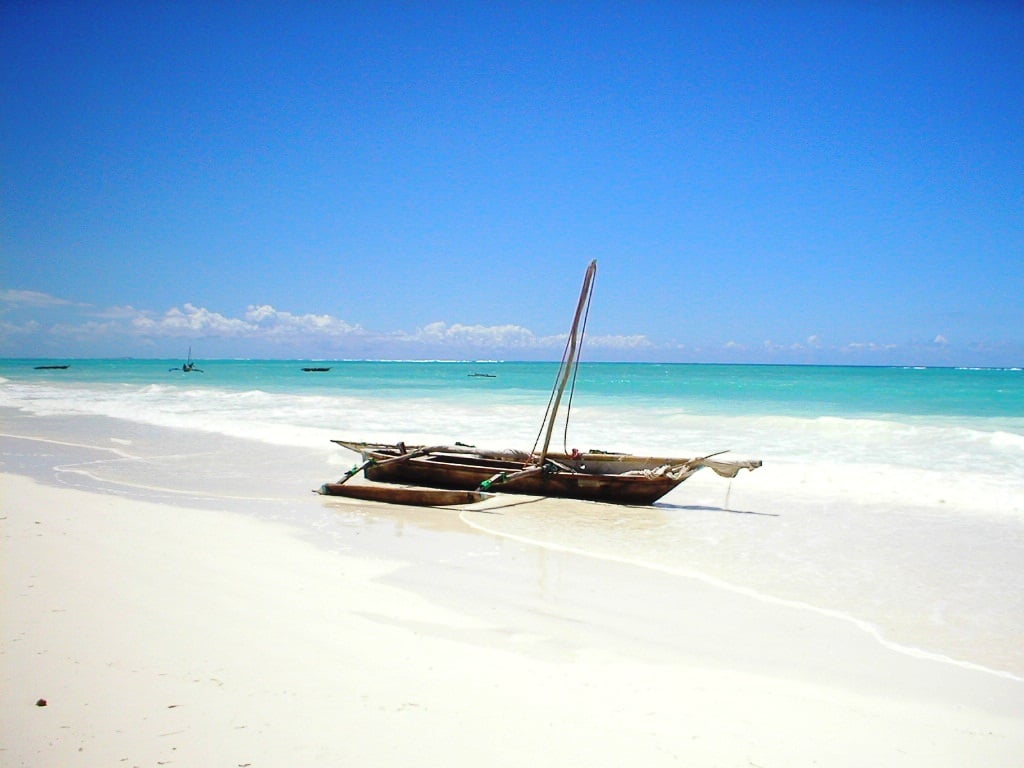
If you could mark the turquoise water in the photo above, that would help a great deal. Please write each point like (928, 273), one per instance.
(802, 391)
(916, 418)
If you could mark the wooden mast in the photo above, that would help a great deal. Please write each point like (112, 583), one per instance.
(568, 359)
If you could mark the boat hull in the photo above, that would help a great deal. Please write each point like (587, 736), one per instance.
(613, 478)
(614, 489)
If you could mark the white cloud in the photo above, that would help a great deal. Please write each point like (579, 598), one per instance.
(34, 321)
(869, 346)
(88, 326)
(83, 331)
(191, 321)
(510, 336)
(32, 299)
(267, 321)
(636, 341)
(260, 322)
(121, 313)
(771, 346)
(16, 329)
(483, 336)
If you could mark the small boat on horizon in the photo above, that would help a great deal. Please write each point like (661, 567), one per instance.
(188, 366)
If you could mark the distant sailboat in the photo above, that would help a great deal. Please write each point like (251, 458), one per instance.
(188, 366)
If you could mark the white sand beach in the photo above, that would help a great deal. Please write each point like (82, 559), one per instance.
(169, 634)
(184, 600)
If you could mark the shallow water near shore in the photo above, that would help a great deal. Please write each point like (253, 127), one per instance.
(896, 514)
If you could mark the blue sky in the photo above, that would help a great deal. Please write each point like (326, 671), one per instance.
(791, 182)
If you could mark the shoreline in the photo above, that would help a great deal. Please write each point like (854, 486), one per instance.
(217, 632)
(796, 550)
(861, 625)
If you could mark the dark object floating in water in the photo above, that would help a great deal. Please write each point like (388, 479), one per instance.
(52, 367)
(316, 370)
(482, 376)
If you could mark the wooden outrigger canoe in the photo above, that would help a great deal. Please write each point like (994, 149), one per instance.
(594, 476)
(608, 477)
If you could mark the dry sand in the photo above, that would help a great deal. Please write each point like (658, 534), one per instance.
(167, 635)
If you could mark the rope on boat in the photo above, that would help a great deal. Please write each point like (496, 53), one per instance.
(355, 471)
(502, 478)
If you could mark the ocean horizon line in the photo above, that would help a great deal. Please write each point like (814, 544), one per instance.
(490, 361)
